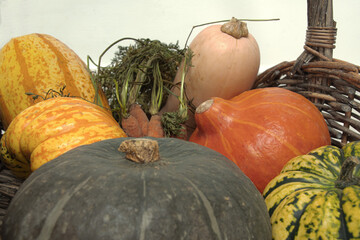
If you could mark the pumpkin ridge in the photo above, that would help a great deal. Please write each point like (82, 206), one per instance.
(27, 79)
(309, 164)
(224, 141)
(251, 93)
(54, 151)
(75, 127)
(56, 212)
(311, 183)
(4, 113)
(209, 209)
(283, 184)
(324, 152)
(240, 98)
(329, 205)
(61, 60)
(226, 145)
(272, 103)
(316, 179)
(30, 128)
(350, 208)
(144, 208)
(296, 214)
(344, 231)
(287, 144)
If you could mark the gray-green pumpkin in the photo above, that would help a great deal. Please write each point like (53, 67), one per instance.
(95, 192)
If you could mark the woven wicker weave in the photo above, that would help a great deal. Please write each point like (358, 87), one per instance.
(331, 84)
(9, 185)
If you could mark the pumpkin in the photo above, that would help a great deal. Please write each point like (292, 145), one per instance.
(225, 63)
(260, 130)
(36, 63)
(96, 192)
(317, 195)
(49, 128)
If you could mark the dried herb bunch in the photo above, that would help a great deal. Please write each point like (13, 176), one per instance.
(140, 73)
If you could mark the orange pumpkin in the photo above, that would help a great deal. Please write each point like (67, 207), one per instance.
(260, 130)
(36, 63)
(224, 64)
(52, 127)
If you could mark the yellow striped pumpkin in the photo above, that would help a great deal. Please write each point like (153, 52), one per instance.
(52, 127)
(317, 195)
(36, 63)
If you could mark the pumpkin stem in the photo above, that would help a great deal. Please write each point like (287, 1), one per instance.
(203, 107)
(140, 150)
(235, 28)
(346, 177)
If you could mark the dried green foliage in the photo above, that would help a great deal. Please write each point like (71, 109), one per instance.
(140, 73)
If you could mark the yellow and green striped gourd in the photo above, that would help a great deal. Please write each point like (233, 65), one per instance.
(317, 196)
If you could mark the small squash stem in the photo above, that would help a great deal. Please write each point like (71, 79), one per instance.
(203, 107)
(140, 150)
(346, 177)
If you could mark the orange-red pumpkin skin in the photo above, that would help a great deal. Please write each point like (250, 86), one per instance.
(260, 130)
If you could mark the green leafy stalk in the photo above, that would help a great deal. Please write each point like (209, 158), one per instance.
(157, 90)
(183, 106)
(95, 83)
(136, 85)
(118, 97)
(124, 92)
(173, 121)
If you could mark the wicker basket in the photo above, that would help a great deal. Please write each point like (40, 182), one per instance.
(9, 185)
(331, 84)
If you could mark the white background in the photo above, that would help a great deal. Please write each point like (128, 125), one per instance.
(89, 26)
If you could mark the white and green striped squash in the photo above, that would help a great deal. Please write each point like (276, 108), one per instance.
(317, 196)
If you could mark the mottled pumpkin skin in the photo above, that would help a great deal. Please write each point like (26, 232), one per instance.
(305, 202)
(94, 192)
(262, 129)
(49, 128)
(36, 63)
